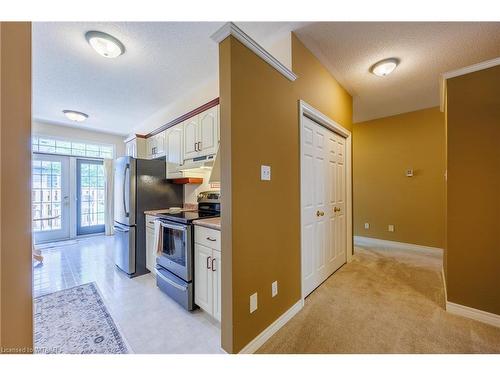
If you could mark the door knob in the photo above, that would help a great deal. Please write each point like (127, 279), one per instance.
(336, 209)
(320, 213)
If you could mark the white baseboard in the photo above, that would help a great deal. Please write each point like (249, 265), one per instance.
(266, 334)
(444, 283)
(368, 241)
(469, 312)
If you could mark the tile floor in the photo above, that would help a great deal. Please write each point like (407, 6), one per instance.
(148, 319)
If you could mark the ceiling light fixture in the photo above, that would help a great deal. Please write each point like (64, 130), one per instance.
(75, 115)
(105, 44)
(384, 67)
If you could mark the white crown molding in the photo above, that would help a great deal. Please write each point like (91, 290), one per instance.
(266, 334)
(469, 312)
(460, 72)
(368, 241)
(231, 29)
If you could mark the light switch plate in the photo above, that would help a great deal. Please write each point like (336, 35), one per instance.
(274, 288)
(367, 225)
(390, 228)
(265, 173)
(253, 302)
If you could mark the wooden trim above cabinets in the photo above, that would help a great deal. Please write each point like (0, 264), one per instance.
(184, 117)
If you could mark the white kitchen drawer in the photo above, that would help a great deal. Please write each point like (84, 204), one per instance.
(207, 237)
(150, 221)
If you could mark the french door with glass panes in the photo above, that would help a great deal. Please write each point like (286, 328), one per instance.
(90, 196)
(50, 198)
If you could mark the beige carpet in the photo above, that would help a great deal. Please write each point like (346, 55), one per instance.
(384, 301)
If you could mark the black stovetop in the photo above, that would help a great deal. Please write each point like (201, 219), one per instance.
(187, 217)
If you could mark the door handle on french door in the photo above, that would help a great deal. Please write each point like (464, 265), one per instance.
(208, 262)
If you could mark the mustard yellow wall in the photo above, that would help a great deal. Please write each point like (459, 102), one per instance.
(382, 151)
(473, 190)
(16, 316)
(261, 220)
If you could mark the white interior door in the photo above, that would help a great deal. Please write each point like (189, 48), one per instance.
(323, 197)
(50, 198)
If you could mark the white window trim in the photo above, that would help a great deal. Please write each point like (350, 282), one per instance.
(74, 140)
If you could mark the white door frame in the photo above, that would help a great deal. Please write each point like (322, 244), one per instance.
(323, 120)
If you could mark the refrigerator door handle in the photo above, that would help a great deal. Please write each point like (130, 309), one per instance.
(127, 167)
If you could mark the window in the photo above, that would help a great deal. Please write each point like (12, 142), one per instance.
(63, 147)
(46, 195)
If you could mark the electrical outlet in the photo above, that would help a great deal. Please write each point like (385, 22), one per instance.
(367, 225)
(409, 172)
(253, 302)
(390, 228)
(274, 288)
(265, 173)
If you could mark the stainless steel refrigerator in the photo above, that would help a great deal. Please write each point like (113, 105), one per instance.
(139, 185)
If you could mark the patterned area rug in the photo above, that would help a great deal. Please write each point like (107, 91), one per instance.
(75, 321)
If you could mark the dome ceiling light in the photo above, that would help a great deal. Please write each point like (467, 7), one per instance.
(75, 115)
(384, 67)
(105, 44)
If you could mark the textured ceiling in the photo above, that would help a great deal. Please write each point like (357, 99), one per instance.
(168, 60)
(425, 49)
(163, 61)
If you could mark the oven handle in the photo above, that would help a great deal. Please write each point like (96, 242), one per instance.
(167, 280)
(172, 226)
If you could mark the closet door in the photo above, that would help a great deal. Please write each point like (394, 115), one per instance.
(322, 200)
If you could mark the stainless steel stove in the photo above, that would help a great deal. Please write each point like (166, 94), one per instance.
(175, 267)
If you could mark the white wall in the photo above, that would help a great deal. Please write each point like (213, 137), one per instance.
(77, 134)
(203, 93)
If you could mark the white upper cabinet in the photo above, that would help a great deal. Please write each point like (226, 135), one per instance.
(208, 129)
(173, 144)
(156, 145)
(201, 134)
(191, 127)
(136, 147)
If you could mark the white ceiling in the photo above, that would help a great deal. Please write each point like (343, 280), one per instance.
(168, 60)
(425, 49)
(162, 62)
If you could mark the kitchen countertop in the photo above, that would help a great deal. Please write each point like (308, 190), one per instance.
(156, 212)
(213, 223)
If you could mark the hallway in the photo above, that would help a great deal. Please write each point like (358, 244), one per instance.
(384, 301)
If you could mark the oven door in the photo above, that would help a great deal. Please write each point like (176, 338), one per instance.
(176, 255)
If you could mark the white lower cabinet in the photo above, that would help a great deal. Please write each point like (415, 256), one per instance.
(150, 241)
(207, 276)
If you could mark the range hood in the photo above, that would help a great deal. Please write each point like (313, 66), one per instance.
(215, 173)
(202, 162)
(196, 168)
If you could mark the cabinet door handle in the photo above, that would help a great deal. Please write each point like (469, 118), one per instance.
(213, 265)
(208, 262)
(211, 239)
(199, 146)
